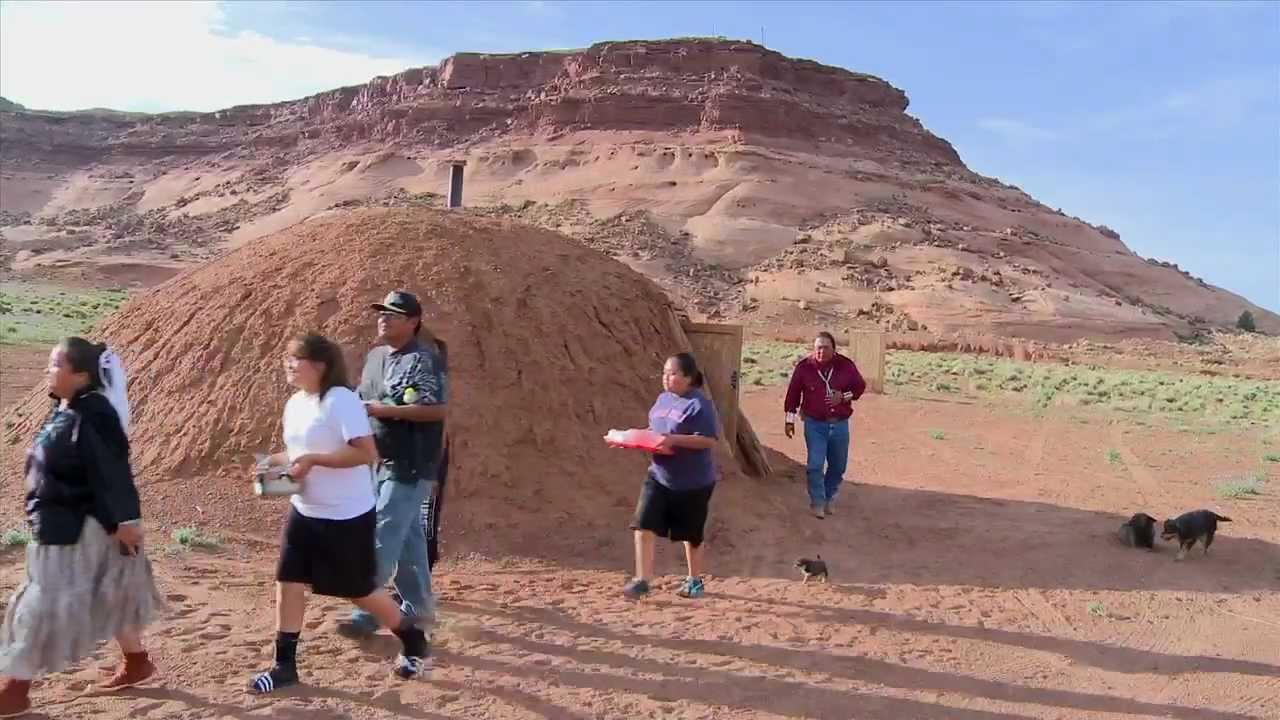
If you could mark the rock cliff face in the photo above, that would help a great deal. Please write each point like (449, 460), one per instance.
(646, 86)
(775, 191)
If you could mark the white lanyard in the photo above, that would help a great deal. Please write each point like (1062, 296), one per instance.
(826, 379)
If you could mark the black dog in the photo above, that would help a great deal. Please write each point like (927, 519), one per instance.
(812, 568)
(1190, 527)
(1140, 531)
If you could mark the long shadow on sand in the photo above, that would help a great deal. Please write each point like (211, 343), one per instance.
(384, 701)
(1106, 657)
(784, 697)
(892, 535)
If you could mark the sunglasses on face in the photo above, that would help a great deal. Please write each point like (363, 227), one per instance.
(387, 315)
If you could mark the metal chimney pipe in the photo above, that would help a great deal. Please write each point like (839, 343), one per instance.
(454, 198)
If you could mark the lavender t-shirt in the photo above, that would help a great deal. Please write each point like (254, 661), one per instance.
(690, 414)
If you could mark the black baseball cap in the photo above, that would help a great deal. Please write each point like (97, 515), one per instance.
(401, 303)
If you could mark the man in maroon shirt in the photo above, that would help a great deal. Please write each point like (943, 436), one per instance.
(823, 388)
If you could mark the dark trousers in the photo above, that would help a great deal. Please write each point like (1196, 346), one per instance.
(431, 509)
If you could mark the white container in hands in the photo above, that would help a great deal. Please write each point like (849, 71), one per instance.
(272, 481)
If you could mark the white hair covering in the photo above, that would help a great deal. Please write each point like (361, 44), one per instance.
(115, 385)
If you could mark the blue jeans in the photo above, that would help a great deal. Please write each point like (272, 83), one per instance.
(828, 442)
(402, 546)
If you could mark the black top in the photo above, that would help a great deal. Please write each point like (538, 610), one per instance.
(412, 375)
(78, 467)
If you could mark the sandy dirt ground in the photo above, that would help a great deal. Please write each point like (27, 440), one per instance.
(973, 577)
(21, 367)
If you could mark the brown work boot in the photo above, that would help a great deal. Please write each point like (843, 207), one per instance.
(136, 669)
(15, 698)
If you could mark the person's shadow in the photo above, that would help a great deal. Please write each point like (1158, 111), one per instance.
(883, 535)
(675, 680)
(385, 701)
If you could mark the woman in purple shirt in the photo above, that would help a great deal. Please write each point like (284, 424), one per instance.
(677, 491)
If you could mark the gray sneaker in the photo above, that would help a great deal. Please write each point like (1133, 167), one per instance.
(818, 511)
(636, 588)
(829, 508)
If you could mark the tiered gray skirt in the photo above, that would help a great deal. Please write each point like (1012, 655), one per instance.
(74, 597)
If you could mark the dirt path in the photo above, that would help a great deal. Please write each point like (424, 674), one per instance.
(974, 577)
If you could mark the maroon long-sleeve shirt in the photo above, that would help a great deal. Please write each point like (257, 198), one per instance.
(808, 391)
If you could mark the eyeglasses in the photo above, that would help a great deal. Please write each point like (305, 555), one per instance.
(388, 315)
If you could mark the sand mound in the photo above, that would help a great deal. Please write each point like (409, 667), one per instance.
(551, 344)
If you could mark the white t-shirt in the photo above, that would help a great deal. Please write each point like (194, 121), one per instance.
(312, 425)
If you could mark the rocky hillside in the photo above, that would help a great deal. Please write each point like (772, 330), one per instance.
(773, 191)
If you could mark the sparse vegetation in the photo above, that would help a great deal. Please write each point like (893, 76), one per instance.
(1113, 457)
(1271, 458)
(1097, 609)
(1250, 486)
(769, 363)
(15, 538)
(937, 435)
(191, 537)
(1222, 399)
(44, 314)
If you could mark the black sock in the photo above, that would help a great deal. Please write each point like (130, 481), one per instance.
(412, 638)
(285, 670)
(287, 649)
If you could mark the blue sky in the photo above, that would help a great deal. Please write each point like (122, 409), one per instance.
(1161, 120)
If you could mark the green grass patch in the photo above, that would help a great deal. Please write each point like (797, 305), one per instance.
(937, 435)
(1224, 401)
(1271, 458)
(1097, 609)
(37, 314)
(1250, 486)
(769, 363)
(15, 538)
(1113, 457)
(190, 537)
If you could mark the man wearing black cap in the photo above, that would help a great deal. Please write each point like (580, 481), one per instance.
(403, 387)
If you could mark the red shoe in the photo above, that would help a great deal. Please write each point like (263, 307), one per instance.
(137, 669)
(15, 698)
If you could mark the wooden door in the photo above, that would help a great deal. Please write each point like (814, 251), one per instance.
(867, 351)
(718, 350)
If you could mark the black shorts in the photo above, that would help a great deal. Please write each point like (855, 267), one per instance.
(335, 557)
(680, 515)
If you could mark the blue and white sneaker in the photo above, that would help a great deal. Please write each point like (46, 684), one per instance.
(412, 668)
(692, 587)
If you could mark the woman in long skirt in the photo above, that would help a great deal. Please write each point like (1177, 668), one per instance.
(88, 579)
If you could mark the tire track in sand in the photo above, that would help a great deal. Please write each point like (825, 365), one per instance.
(1143, 482)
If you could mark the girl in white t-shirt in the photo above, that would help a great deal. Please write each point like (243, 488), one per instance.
(328, 540)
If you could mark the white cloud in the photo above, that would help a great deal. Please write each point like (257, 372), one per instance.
(540, 7)
(154, 56)
(1016, 131)
(1226, 101)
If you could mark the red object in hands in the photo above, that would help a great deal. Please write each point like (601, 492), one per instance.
(634, 439)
